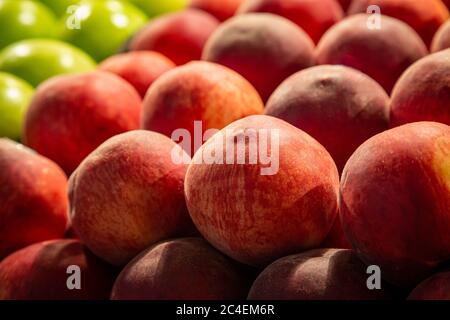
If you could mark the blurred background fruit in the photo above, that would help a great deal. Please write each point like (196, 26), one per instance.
(15, 95)
(59, 7)
(23, 19)
(179, 36)
(36, 60)
(155, 8)
(222, 10)
(315, 17)
(103, 26)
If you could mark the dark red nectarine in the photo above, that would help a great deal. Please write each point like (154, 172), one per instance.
(383, 54)
(424, 16)
(315, 17)
(436, 287)
(181, 269)
(322, 274)
(338, 106)
(262, 47)
(42, 272)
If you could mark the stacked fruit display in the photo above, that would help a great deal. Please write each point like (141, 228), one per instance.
(235, 149)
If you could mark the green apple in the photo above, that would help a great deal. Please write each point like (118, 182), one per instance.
(101, 27)
(155, 8)
(36, 60)
(24, 19)
(59, 7)
(15, 96)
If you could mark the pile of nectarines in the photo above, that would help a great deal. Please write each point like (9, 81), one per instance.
(234, 149)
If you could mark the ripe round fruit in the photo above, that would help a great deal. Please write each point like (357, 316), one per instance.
(383, 54)
(103, 26)
(395, 195)
(259, 210)
(24, 19)
(179, 36)
(181, 269)
(33, 197)
(15, 96)
(37, 60)
(264, 48)
(42, 272)
(139, 68)
(338, 106)
(422, 93)
(155, 8)
(72, 115)
(128, 195)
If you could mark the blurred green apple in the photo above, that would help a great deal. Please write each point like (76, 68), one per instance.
(36, 60)
(15, 96)
(155, 8)
(101, 27)
(23, 19)
(59, 7)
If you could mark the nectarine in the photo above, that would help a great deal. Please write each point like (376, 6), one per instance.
(261, 189)
(179, 36)
(128, 194)
(383, 54)
(199, 91)
(140, 68)
(262, 47)
(181, 269)
(395, 200)
(43, 272)
(33, 198)
(436, 287)
(424, 16)
(422, 93)
(322, 274)
(222, 10)
(338, 106)
(70, 116)
(315, 17)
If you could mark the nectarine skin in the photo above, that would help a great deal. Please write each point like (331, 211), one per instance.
(256, 218)
(424, 16)
(71, 115)
(181, 269)
(338, 106)
(262, 47)
(33, 198)
(383, 54)
(315, 17)
(199, 91)
(179, 36)
(336, 237)
(395, 195)
(39, 272)
(436, 287)
(139, 68)
(222, 10)
(422, 94)
(127, 195)
(441, 39)
(322, 274)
